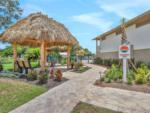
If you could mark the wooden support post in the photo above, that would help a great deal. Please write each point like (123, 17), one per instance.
(42, 56)
(45, 53)
(68, 56)
(14, 45)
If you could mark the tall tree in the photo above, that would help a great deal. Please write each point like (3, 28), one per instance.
(9, 12)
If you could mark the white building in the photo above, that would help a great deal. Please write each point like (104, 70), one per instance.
(138, 34)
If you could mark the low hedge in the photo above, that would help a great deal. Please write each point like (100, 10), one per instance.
(109, 62)
(106, 62)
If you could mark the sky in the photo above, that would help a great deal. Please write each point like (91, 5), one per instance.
(86, 19)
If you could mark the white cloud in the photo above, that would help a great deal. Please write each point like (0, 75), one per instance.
(124, 8)
(94, 19)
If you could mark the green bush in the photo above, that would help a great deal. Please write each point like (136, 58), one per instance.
(107, 80)
(130, 77)
(63, 61)
(106, 62)
(139, 63)
(98, 61)
(141, 76)
(131, 74)
(43, 77)
(78, 65)
(32, 75)
(145, 68)
(114, 73)
(35, 64)
(115, 61)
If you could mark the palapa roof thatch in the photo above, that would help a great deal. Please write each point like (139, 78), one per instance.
(37, 28)
(60, 48)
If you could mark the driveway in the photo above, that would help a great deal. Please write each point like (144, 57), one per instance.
(63, 98)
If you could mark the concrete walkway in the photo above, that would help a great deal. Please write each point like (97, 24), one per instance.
(63, 98)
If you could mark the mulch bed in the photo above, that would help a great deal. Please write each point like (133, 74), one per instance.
(135, 87)
(51, 83)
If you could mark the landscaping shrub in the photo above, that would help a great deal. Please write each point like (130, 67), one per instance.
(78, 65)
(129, 80)
(145, 68)
(131, 73)
(81, 64)
(130, 77)
(35, 64)
(115, 61)
(32, 75)
(58, 74)
(98, 61)
(107, 80)
(63, 61)
(141, 76)
(43, 77)
(114, 73)
(139, 63)
(106, 62)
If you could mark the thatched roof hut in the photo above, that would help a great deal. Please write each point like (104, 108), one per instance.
(36, 28)
(39, 30)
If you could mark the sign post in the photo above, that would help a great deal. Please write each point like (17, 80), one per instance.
(124, 70)
(125, 54)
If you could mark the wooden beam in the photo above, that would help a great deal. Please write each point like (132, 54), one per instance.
(68, 56)
(45, 53)
(42, 56)
(14, 45)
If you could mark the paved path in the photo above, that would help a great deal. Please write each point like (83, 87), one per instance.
(63, 98)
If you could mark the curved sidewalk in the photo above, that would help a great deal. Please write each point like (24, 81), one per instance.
(63, 98)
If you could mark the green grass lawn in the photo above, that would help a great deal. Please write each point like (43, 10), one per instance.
(82, 69)
(9, 65)
(88, 108)
(14, 93)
